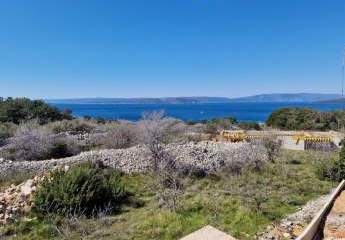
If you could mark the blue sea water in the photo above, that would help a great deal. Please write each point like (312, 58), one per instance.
(258, 112)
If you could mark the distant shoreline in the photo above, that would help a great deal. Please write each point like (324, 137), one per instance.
(242, 111)
(262, 98)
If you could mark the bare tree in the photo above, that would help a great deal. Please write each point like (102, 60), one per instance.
(118, 135)
(167, 183)
(273, 147)
(155, 130)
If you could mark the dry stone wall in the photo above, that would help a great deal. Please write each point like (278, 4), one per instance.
(207, 156)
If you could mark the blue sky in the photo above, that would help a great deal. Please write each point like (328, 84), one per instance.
(146, 48)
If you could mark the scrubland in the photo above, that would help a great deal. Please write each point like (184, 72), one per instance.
(241, 204)
(187, 181)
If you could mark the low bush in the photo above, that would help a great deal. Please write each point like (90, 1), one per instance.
(217, 124)
(273, 147)
(332, 168)
(82, 190)
(34, 142)
(39, 146)
(7, 130)
(116, 135)
(64, 146)
(74, 126)
(325, 169)
(29, 144)
(249, 126)
(294, 161)
(337, 171)
(156, 128)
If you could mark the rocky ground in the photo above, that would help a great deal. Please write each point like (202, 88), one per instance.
(293, 225)
(206, 156)
(203, 156)
(17, 200)
(335, 222)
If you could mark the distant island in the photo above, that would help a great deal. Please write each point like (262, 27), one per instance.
(334, 100)
(288, 97)
(168, 100)
(275, 97)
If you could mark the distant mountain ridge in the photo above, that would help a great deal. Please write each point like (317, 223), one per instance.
(334, 100)
(288, 97)
(167, 100)
(275, 97)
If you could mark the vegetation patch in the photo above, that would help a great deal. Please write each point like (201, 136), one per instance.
(306, 119)
(82, 190)
(23, 109)
(240, 204)
(333, 169)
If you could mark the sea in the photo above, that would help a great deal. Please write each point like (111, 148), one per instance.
(243, 111)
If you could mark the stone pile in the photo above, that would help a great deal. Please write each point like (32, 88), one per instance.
(283, 230)
(209, 157)
(206, 155)
(16, 200)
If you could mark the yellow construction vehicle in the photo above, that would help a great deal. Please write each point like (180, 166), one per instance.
(233, 136)
(312, 138)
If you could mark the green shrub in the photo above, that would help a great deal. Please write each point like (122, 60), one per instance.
(338, 170)
(101, 120)
(116, 135)
(273, 147)
(249, 125)
(6, 131)
(214, 125)
(306, 119)
(23, 109)
(82, 190)
(64, 147)
(294, 161)
(333, 169)
(325, 169)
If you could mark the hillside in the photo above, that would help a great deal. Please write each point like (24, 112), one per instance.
(168, 100)
(275, 97)
(334, 100)
(287, 97)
